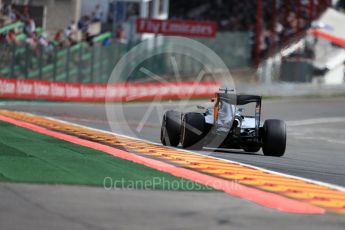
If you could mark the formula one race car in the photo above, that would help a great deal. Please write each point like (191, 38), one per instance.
(225, 126)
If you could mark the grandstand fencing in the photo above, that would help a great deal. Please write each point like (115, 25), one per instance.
(93, 63)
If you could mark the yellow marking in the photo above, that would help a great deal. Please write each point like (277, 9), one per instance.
(311, 195)
(329, 204)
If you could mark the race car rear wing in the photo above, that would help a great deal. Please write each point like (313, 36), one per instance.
(246, 99)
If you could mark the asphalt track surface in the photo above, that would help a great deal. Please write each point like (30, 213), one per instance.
(315, 150)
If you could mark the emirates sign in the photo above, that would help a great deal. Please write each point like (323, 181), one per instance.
(177, 27)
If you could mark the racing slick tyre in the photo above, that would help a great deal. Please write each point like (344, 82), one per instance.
(171, 128)
(252, 149)
(274, 138)
(192, 130)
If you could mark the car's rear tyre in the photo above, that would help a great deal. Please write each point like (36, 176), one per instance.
(171, 128)
(252, 149)
(274, 138)
(192, 131)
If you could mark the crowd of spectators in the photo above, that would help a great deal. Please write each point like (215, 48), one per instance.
(35, 37)
(10, 15)
(28, 34)
(278, 23)
(19, 28)
(229, 15)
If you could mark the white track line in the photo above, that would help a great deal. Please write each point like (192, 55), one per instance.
(315, 121)
(337, 187)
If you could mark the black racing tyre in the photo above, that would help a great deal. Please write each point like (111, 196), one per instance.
(192, 130)
(171, 128)
(274, 138)
(252, 149)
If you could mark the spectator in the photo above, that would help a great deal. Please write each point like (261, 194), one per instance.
(30, 27)
(106, 42)
(97, 14)
(11, 37)
(32, 40)
(120, 34)
(46, 46)
(10, 12)
(2, 38)
(25, 16)
(89, 38)
(58, 38)
(83, 24)
(26, 11)
(70, 32)
(42, 40)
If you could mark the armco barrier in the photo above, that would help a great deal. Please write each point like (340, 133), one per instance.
(129, 91)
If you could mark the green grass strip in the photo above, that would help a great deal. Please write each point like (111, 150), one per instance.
(26, 156)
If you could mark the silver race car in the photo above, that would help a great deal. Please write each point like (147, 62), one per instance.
(225, 126)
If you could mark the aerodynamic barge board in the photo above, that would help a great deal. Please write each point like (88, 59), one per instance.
(270, 189)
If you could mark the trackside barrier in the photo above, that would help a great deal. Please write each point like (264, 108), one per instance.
(98, 92)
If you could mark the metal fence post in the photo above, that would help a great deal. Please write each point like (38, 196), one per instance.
(101, 55)
(26, 72)
(92, 63)
(40, 62)
(80, 64)
(54, 64)
(112, 59)
(67, 64)
(13, 59)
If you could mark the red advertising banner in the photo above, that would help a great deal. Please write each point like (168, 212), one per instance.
(176, 27)
(8, 88)
(133, 91)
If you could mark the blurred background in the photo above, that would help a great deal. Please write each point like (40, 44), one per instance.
(272, 47)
